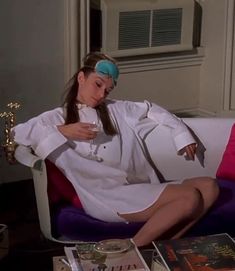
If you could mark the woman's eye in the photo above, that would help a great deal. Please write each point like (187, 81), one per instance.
(98, 84)
(107, 91)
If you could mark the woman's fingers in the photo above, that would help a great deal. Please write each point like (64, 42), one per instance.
(78, 131)
(190, 151)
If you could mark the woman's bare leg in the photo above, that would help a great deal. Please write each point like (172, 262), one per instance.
(209, 190)
(178, 203)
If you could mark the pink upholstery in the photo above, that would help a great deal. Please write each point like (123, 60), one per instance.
(59, 187)
(226, 169)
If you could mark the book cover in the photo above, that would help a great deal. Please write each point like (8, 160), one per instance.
(204, 253)
(92, 260)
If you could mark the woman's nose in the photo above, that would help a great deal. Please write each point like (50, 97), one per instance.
(102, 93)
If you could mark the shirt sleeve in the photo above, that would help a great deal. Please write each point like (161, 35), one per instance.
(39, 133)
(180, 133)
(146, 116)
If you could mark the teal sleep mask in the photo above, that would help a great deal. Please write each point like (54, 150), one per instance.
(107, 68)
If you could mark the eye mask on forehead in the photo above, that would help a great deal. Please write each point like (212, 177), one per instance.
(107, 68)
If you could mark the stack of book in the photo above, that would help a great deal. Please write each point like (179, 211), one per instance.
(204, 253)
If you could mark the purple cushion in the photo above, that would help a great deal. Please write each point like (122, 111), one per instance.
(75, 224)
(221, 217)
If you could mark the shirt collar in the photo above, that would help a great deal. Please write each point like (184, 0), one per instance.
(80, 106)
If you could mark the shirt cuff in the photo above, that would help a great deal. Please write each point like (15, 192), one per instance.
(25, 156)
(49, 144)
(182, 140)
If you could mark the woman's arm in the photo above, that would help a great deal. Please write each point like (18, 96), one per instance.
(137, 115)
(40, 133)
(183, 139)
(46, 132)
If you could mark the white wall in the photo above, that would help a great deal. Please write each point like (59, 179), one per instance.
(168, 87)
(211, 92)
(31, 62)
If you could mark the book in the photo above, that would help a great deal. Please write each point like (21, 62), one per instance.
(202, 253)
(89, 257)
(152, 259)
(72, 257)
(60, 264)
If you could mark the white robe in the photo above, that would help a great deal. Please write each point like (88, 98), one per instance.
(123, 180)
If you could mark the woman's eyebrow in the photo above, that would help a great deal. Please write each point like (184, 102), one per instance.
(103, 80)
(100, 77)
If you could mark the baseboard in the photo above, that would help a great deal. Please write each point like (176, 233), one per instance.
(193, 112)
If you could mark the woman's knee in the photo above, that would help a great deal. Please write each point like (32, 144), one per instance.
(213, 185)
(191, 202)
(207, 185)
(210, 188)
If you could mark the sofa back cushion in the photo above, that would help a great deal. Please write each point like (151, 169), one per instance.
(226, 169)
(59, 188)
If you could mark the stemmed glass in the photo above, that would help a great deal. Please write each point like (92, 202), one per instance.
(92, 152)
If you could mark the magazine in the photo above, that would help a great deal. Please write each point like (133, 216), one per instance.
(107, 257)
(211, 252)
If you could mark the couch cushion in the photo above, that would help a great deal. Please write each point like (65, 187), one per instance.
(226, 169)
(74, 224)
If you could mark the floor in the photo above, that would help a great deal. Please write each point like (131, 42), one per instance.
(28, 249)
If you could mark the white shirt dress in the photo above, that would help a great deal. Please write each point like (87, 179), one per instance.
(111, 174)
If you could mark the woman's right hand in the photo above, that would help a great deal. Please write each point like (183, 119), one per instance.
(78, 131)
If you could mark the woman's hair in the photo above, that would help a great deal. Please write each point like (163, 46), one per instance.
(70, 96)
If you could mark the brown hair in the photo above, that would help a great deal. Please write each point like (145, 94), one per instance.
(70, 96)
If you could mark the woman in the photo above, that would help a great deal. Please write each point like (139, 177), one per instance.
(98, 144)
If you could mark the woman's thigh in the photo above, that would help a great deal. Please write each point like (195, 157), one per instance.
(171, 194)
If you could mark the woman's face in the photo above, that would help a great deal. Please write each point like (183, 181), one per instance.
(94, 88)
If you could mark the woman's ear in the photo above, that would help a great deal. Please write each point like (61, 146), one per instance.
(81, 77)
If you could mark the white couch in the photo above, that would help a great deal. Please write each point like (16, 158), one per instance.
(213, 133)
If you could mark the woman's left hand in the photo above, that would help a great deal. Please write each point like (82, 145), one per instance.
(189, 151)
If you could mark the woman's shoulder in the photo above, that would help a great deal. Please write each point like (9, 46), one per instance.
(127, 105)
(52, 115)
(52, 112)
